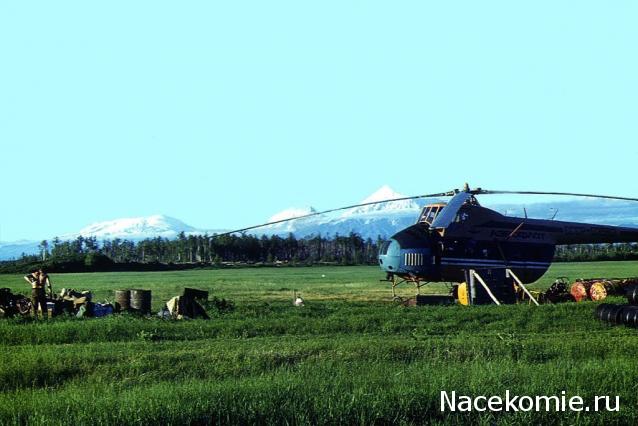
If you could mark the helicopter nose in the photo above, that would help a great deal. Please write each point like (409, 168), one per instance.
(408, 252)
(390, 256)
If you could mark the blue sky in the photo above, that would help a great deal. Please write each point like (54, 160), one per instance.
(223, 113)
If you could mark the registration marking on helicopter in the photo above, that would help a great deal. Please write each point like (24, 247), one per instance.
(522, 235)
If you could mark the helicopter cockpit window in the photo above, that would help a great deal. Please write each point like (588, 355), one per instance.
(384, 248)
(424, 215)
(429, 213)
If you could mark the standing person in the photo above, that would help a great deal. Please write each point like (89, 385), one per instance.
(38, 280)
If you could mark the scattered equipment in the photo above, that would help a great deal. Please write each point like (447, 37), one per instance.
(185, 306)
(13, 304)
(80, 304)
(77, 297)
(557, 292)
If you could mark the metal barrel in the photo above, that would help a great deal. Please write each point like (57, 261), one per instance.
(141, 301)
(597, 291)
(629, 315)
(632, 295)
(123, 300)
(579, 291)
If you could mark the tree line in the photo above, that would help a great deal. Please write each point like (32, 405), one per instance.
(189, 251)
(596, 252)
(86, 253)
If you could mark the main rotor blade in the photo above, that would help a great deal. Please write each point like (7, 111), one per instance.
(448, 214)
(609, 197)
(440, 194)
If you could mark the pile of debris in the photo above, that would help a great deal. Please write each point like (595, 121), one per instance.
(583, 289)
(13, 304)
(80, 304)
(556, 293)
(185, 306)
(69, 302)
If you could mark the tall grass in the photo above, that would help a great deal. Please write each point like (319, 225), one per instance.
(348, 356)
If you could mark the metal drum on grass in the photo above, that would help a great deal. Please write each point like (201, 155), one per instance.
(141, 301)
(123, 300)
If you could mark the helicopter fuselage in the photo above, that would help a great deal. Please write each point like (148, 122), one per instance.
(480, 238)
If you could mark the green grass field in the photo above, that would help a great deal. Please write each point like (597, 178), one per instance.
(349, 356)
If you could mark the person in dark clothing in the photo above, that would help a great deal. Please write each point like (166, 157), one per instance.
(39, 280)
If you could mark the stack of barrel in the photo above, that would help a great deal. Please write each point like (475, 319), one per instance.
(595, 290)
(133, 300)
(621, 314)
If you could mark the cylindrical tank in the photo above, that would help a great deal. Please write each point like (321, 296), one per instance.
(578, 291)
(141, 301)
(597, 291)
(123, 300)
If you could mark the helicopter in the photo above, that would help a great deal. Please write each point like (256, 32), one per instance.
(449, 239)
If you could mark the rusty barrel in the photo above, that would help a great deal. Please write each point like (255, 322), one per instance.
(597, 291)
(632, 295)
(578, 291)
(629, 315)
(141, 301)
(122, 300)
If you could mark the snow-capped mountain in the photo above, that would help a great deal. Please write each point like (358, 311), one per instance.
(369, 221)
(384, 193)
(292, 213)
(287, 227)
(135, 228)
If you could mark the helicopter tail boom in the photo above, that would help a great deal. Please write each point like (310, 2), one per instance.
(583, 233)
